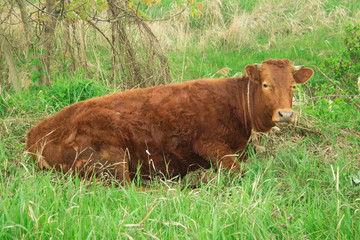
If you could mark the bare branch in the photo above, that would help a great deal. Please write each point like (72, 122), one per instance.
(129, 14)
(42, 10)
(103, 34)
(325, 75)
(8, 14)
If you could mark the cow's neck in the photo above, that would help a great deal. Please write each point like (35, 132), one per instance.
(250, 107)
(259, 117)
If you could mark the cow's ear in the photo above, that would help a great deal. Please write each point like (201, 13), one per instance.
(253, 73)
(302, 75)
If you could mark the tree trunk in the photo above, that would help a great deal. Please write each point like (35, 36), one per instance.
(77, 42)
(1, 66)
(68, 46)
(47, 40)
(120, 38)
(164, 70)
(6, 48)
(83, 49)
(33, 55)
(128, 50)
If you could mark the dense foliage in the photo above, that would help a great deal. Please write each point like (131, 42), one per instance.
(345, 65)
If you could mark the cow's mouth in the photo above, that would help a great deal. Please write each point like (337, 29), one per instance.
(282, 124)
(283, 117)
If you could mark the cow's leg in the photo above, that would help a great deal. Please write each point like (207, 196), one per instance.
(220, 155)
(110, 164)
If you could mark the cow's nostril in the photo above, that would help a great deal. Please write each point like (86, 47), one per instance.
(285, 116)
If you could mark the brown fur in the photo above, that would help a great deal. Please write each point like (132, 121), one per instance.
(170, 129)
(282, 64)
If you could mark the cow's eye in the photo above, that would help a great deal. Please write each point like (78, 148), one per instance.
(265, 85)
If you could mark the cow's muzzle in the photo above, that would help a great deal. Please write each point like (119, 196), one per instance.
(283, 117)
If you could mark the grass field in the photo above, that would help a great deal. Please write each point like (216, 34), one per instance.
(301, 182)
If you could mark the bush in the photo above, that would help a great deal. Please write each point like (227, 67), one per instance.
(345, 66)
(64, 93)
(49, 98)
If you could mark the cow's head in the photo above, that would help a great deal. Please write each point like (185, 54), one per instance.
(277, 81)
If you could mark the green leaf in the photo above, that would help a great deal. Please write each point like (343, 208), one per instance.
(355, 178)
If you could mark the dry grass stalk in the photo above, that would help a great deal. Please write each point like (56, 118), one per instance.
(267, 19)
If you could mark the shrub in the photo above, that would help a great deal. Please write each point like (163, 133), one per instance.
(64, 93)
(345, 66)
(49, 98)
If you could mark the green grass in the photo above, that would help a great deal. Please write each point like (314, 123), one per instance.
(300, 187)
(197, 62)
(300, 190)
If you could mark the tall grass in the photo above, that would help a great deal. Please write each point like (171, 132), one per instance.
(298, 191)
(235, 33)
(299, 181)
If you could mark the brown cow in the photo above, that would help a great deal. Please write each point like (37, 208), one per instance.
(170, 129)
